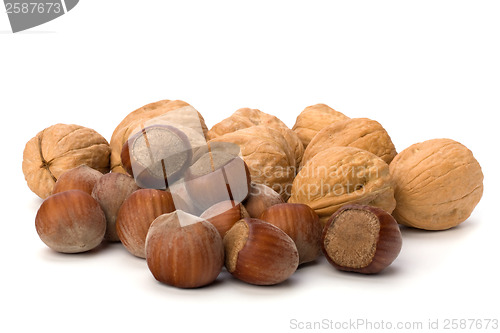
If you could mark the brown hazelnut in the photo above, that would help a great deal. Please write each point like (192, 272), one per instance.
(137, 213)
(184, 251)
(301, 223)
(80, 178)
(157, 156)
(260, 198)
(259, 253)
(361, 239)
(217, 176)
(224, 215)
(110, 191)
(70, 222)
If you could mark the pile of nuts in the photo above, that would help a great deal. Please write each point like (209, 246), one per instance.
(250, 194)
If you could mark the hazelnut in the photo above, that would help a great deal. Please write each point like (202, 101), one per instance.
(157, 156)
(361, 239)
(184, 251)
(437, 184)
(137, 213)
(70, 222)
(217, 176)
(260, 198)
(259, 253)
(224, 215)
(80, 178)
(110, 191)
(299, 222)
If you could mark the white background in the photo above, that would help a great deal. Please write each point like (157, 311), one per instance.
(424, 69)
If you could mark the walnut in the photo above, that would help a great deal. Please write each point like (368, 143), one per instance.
(313, 119)
(245, 117)
(437, 184)
(59, 148)
(360, 133)
(343, 175)
(176, 113)
(267, 154)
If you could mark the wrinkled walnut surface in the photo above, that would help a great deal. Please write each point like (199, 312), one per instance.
(59, 148)
(437, 184)
(267, 155)
(313, 119)
(360, 133)
(343, 175)
(246, 117)
(176, 113)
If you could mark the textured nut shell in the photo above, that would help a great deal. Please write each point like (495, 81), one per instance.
(299, 222)
(184, 251)
(59, 148)
(81, 178)
(260, 198)
(142, 117)
(310, 121)
(70, 222)
(267, 156)
(137, 213)
(360, 133)
(437, 184)
(259, 253)
(246, 117)
(388, 246)
(110, 191)
(342, 175)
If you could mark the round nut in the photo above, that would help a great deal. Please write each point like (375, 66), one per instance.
(70, 222)
(437, 184)
(342, 175)
(184, 251)
(223, 215)
(268, 156)
(361, 239)
(360, 133)
(176, 113)
(110, 191)
(260, 198)
(157, 156)
(59, 148)
(80, 178)
(217, 176)
(137, 213)
(246, 117)
(314, 118)
(299, 222)
(259, 253)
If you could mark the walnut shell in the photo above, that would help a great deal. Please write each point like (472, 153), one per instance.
(437, 184)
(343, 175)
(310, 121)
(59, 148)
(267, 154)
(177, 113)
(246, 117)
(360, 133)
